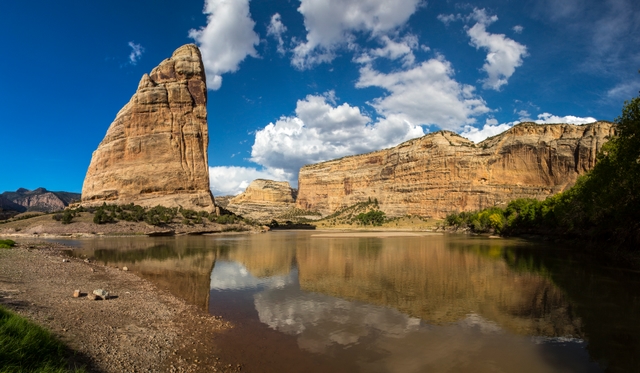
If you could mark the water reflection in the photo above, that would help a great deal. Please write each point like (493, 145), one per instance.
(397, 304)
(235, 276)
(183, 267)
(410, 305)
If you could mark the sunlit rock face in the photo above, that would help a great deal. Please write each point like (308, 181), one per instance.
(155, 151)
(443, 172)
(263, 200)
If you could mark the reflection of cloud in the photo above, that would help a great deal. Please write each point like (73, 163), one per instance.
(234, 276)
(382, 339)
(321, 320)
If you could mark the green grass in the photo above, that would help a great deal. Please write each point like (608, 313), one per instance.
(27, 347)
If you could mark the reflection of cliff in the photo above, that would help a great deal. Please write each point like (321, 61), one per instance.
(606, 297)
(420, 277)
(266, 255)
(424, 279)
(182, 266)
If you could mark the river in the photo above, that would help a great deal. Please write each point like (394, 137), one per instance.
(403, 302)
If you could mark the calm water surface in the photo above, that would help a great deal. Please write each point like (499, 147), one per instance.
(305, 301)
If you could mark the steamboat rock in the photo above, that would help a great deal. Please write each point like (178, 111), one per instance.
(443, 172)
(155, 151)
(263, 200)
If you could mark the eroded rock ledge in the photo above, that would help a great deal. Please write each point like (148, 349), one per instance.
(155, 151)
(263, 200)
(443, 172)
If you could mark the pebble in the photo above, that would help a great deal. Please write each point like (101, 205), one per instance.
(125, 268)
(65, 261)
(92, 297)
(76, 293)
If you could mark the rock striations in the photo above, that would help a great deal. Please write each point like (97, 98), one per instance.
(155, 151)
(443, 172)
(263, 200)
(41, 199)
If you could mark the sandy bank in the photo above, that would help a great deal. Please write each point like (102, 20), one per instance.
(141, 329)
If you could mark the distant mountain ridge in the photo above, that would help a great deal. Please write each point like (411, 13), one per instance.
(39, 199)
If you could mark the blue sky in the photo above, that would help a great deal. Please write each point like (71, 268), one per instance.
(298, 82)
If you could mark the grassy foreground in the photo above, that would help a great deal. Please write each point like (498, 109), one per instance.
(27, 347)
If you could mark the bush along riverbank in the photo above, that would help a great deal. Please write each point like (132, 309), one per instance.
(603, 205)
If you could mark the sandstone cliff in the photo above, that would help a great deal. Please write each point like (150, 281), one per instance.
(443, 172)
(263, 200)
(155, 151)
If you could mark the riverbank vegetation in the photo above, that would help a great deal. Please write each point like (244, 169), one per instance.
(603, 205)
(7, 244)
(27, 347)
(157, 216)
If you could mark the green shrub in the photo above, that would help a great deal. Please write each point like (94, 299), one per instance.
(102, 216)
(7, 244)
(67, 217)
(373, 217)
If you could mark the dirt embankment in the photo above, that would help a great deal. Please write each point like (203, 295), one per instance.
(140, 329)
(83, 226)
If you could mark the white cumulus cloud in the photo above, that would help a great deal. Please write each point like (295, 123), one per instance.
(490, 128)
(136, 52)
(546, 118)
(322, 130)
(393, 50)
(503, 54)
(226, 40)
(426, 94)
(232, 180)
(276, 28)
(331, 24)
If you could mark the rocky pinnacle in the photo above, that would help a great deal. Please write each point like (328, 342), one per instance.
(155, 151)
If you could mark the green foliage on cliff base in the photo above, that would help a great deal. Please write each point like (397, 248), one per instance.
(603, 205)
(160, 215)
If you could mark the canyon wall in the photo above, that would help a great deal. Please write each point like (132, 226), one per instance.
(443, 172)
(155, 151)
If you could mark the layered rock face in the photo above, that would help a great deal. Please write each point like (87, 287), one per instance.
(443, 172)
(41, 199)
(155, 151)
(263, 200)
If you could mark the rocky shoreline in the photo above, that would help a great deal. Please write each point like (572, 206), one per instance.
(140, 328)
